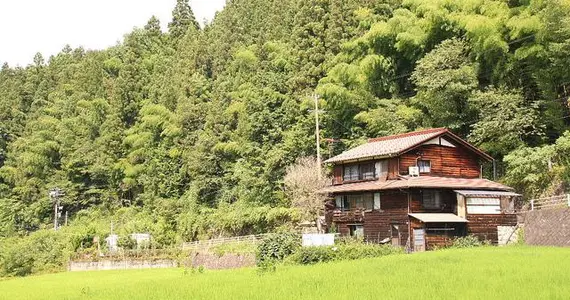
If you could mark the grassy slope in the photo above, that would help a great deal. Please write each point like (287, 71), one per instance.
(484, 273)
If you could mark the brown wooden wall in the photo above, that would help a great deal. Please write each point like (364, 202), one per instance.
(485, 226)
(337, 174)
(445, 161)
(378, 224)
(393, 168)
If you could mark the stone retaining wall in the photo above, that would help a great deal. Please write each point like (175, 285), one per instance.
(120, 265)
(547, 227)
(213, 261)
(208, 260)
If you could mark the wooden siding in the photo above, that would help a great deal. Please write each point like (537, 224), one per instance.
(393, 168)
(485, 226)
(377, 225)
(445, 161)
(337, 174)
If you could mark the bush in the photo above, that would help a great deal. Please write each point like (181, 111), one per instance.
(126, 242)
(42, 251)
(343, 251)
(277, 247)
(466, 242)
(360, 250)
(313, 255)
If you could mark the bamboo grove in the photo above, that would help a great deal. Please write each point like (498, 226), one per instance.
(187, 132)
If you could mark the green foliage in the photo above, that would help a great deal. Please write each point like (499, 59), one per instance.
(275, 247)
(312, 255)
(187, 134)
(348, 250)
(243, 247)
(127, 242)
(466, 242)
(42, 251)
(540, 171)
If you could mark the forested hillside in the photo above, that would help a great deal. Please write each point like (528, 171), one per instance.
(187, 133)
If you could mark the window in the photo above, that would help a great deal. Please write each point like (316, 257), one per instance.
(483, 205)
(366, 201)
(424, 166)
(359, 172)
(431, 199)
(350, 173)
(356, 230)
(367, 171)
(377, 205)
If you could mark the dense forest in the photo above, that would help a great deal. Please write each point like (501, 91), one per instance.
(188, 133)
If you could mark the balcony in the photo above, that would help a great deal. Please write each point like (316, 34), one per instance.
(351, 215)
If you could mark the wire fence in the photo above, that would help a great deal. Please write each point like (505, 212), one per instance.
(559, 201)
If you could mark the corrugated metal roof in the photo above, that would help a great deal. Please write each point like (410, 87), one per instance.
(389, 145)
(478, 193)
(419, 182)
(438, 218)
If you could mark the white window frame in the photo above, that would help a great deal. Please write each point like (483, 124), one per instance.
(483, 206)
(424, 168)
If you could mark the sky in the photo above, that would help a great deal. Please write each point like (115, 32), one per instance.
(46, 26)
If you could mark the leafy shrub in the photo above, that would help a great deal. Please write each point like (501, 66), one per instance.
(127, 242)
(313, 255)
(343, 251)
(277, 247)
(42, 251)
(351, 251)
(469, 241)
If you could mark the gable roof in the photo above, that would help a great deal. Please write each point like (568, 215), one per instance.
(395, 145)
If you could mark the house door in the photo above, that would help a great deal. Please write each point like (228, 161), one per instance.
(395, 235)
(419, 240)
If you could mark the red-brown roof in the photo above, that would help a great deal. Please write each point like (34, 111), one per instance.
(418, 182)
(394, 145)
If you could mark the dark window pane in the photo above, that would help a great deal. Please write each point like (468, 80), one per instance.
(367, 171)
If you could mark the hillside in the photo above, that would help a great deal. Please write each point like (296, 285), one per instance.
(482, 273)
(187, 134)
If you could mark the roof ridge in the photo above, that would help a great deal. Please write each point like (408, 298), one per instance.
(407, 134)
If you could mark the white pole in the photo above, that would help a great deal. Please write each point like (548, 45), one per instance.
(568, 199)
(531, 204)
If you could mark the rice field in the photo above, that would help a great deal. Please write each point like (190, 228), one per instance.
(480, 273)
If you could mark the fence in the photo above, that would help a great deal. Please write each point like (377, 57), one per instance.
(560, 201)
(219, 241)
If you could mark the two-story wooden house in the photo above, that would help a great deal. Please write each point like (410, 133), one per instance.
(419, 189)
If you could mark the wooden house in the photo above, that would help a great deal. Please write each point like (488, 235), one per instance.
(419, 190)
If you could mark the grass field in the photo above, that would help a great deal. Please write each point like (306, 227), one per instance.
(481, 273)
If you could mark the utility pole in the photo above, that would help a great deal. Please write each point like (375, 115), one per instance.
(318, 134)
(55, 194)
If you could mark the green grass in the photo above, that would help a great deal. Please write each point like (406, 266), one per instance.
(480, 273)
(235, 248)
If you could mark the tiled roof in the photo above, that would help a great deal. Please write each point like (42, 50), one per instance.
(388, 145)
(418, 182)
